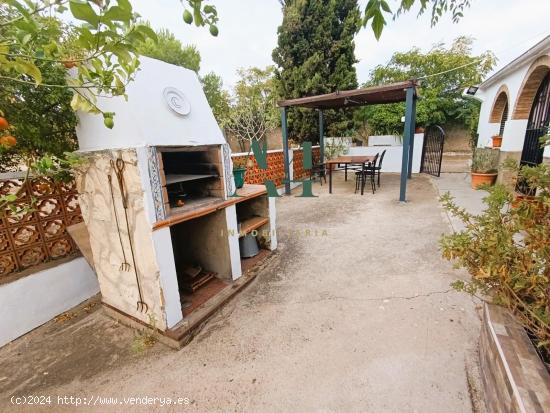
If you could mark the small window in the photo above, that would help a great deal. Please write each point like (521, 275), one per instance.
(503, 119)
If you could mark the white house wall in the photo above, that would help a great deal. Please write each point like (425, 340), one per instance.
(37, 298)
(513, 136)
(394, 154)
(517, 128)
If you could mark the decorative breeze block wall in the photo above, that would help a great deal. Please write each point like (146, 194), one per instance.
(40, 235)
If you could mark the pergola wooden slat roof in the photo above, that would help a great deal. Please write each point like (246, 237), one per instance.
(374, 95)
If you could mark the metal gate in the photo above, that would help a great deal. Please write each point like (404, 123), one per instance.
(537, 126)
(432, 150)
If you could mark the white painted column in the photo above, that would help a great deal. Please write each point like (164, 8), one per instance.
(168, 276)
(272, 223)
(514, 135)
(233, 240)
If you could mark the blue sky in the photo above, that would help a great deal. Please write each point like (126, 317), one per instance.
(248, 32)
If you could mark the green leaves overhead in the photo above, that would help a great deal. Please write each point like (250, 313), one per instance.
(82, 10)
(99, 50)
(373, 12)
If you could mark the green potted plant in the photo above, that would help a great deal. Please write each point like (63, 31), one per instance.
(239, 171)
(484, 169)
(505, 249)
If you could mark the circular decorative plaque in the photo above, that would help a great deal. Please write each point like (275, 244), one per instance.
(176, 100)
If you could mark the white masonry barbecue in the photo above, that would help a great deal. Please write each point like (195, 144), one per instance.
(155, 197)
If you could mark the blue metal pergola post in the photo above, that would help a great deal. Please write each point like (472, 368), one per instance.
(410, 103)
(321, 136)
(284, 130)
(411, 145)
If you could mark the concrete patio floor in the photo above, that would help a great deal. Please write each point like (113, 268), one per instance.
(353, 313)
(458, 185)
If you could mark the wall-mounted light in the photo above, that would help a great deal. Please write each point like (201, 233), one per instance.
(472, 90)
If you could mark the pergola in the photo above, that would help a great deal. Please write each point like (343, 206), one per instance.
(376, 95)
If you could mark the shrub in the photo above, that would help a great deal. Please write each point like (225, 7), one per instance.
(506, 249)
(485, 161)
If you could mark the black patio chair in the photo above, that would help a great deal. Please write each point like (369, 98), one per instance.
(369, 172)
(319, 170)
(378, 167)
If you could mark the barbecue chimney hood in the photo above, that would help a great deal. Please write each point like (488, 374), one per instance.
(153, 114)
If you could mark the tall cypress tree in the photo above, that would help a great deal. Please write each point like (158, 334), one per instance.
(315, 54)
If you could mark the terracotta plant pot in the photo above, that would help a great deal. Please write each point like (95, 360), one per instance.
(419, 129)
(497, 141)
(521, 197)
(479, 179)
(540, 209)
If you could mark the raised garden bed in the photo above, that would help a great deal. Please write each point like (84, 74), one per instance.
(514, 377)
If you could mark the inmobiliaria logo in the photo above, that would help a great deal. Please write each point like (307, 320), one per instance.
(260, 154)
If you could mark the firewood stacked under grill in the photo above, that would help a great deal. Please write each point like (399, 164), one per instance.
(194, 277)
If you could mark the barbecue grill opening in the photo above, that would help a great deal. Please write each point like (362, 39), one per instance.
(202, 257)
(193, 177)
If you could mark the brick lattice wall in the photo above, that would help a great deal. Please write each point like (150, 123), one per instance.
(276, 167)
(298, 162)
(40, 235)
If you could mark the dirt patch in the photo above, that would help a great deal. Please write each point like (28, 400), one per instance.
(77, 345)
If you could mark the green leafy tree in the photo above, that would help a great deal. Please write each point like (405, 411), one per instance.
(441, 99)
(218, 98)
(315, 54)
(43, 120)
(253, 112)
(170, 50)
(377, 11)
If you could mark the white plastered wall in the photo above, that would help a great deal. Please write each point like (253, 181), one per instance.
(394, 154)
(37, 298)
(514, 130)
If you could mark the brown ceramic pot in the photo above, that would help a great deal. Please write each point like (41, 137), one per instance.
(497, 141)
(481, 179)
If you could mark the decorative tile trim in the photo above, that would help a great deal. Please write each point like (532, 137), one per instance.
(228, 170)
(156, 186)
